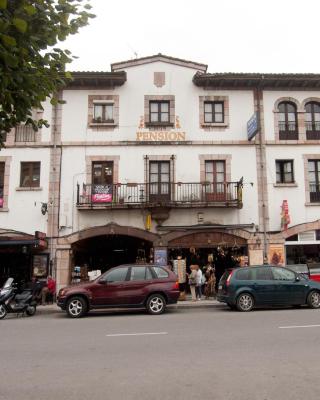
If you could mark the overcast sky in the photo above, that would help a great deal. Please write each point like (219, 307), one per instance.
(227, 35)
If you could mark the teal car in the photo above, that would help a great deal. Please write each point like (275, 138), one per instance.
(266, 286)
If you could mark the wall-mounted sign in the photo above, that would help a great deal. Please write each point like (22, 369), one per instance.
(40, 264)
(160, 136)
(253, 126)
(160, 257)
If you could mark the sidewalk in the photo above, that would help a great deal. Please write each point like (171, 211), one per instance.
(53, 308)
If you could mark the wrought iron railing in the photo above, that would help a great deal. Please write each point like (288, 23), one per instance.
(313, 130)
(314, 189)
(25, 133)
(159, 194)
(288, 130)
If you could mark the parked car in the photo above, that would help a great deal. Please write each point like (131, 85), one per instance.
(265, 285)
(301, 269)
(138, 286)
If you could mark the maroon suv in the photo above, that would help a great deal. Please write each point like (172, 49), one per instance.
(139, 286)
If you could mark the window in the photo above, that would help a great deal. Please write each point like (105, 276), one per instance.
(103, 113)
(312, 118)
(243, 275)
(288, 129)
(25, 133)
(2, 167)
(314, 180)
(282, 274)
(284, 171)
(160, 272)
(263, 274)
(116, 275)
(30, 174)
(215, 180)
(159, 111)
(138, 274)
(213, 112)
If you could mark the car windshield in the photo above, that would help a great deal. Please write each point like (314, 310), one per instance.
(8, 283)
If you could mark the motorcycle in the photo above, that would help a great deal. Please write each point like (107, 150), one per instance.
(13, 302)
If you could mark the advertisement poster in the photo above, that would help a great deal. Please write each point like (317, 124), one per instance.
(160, 257)
(276, 254)
(179, 268)
(101, 194)
(40, 265)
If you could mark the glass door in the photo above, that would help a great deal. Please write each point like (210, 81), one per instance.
(102, 182)
(215, 176)
(159, 181)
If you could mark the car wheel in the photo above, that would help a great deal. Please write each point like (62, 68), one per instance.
(3, 311)
(313, 299)
(76, 307)
(31, 310)
(245, 302)
(156, 304)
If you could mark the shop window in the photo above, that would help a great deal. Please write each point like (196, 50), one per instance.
(213, 112)
(284, 171)
(103, 113)
(215, 180)
(288, 127)
(30, 174)
(312, 118)
(2, 167)
(314, 180)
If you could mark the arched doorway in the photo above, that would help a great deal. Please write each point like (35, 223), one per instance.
(106, 251)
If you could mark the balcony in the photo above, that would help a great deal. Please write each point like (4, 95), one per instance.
(313, 130)
(314, 189)
(288, 131)
(173, 195)
(25, 133)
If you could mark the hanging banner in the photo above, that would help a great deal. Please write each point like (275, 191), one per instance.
(285, 217)
(101, 194)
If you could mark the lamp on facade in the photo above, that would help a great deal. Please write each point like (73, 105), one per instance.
(44, 208)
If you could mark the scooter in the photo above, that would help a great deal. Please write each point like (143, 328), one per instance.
(13, 302)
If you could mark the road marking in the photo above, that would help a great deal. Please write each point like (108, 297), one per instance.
(138, 334)
(299, 326)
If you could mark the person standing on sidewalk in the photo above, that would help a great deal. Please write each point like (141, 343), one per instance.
(198, 282)
(193, 281)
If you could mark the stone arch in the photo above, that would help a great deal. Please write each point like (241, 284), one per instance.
(308, 100)
(109, 229)
(287, 99)
(294, 230)
(243, 236)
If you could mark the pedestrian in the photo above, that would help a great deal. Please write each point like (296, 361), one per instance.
(48, 290)
(199, 282)
(210, 281)
(193, 281)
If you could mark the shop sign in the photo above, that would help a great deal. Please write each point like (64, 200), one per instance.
(160, 136)
(253, 126)
(101, 194)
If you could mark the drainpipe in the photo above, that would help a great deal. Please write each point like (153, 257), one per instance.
(258, 93)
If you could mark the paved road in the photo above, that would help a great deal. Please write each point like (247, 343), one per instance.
(203, 353)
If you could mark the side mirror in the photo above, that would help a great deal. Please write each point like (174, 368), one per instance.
(102, 282)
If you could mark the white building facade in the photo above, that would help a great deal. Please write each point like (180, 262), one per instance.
(153, 158)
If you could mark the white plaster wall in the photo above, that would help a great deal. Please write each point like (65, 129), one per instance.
(269, 100)
(131, 169)
(131, 106)
(25, 206)
(47, 115)
(299, 211)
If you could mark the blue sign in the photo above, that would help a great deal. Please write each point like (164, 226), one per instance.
(253, 126)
